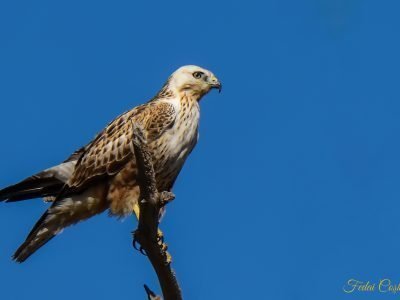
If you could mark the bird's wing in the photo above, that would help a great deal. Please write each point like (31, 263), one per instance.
(111, 149)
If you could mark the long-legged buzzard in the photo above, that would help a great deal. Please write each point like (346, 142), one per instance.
(102, 175)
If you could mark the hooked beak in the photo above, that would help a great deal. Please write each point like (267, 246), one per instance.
(214, 83)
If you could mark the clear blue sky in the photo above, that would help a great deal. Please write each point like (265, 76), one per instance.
(294, 187)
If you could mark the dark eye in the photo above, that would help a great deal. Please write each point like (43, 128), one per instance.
(198, 75)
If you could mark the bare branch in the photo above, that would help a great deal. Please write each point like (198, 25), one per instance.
(150, 294)
(147, 233)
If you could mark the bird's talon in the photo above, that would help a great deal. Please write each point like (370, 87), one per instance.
(135, 243)
(135, 240)
(142, 251)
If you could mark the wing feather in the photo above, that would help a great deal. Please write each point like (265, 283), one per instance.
(111, 149)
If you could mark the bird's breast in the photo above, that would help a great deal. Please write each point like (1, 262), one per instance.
(174, 146)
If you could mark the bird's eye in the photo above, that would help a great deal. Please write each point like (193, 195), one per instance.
(198, 75)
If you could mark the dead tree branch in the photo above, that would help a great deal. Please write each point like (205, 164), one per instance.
(147, 234)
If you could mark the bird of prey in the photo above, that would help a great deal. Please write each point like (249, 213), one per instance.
(102, 175)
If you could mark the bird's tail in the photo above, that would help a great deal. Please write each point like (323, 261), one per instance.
(41, 233)
(36, 186)
(46, 184)
(62, 213)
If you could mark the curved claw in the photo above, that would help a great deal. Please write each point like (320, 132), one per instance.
(142, 251)
(135, 243)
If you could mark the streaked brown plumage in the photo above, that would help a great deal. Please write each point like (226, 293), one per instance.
(102, 175)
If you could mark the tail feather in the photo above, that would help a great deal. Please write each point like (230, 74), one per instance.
(62, 213)
(47, 183)
(37, 238)
(32, 187)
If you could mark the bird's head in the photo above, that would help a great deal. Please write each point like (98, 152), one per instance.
(194, 81)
